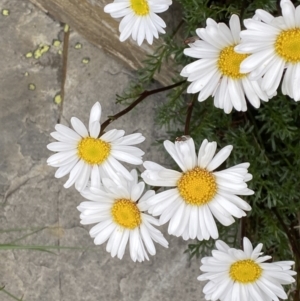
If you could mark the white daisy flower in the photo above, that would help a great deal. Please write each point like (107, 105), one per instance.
(140, 19)
(198, 193)
(118, 208)
(274, 44)
(86, 156)
(217, 72)
(236, 275)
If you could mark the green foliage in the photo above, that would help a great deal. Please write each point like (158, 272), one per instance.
(203, 248)
(267, 138)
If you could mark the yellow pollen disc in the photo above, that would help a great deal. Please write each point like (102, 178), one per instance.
(287, 45)
(93, 151)
(140, 7)
(126, 213)
(229, 62)
(197, 186)
(245, 271)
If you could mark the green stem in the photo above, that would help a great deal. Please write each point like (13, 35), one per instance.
(26, 235)
(11, 295)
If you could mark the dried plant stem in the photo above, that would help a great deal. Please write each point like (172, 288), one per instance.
(189, 115)
(142, 96)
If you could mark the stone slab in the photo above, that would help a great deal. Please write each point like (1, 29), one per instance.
(32, 198)
(89, 19)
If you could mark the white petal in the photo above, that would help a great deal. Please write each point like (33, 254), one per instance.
(131, 139)
(170, 148)
(116, 243)
(83, 178)
(209, 153)
(202, 223)
(63, 170)
(95, 177)
(79, 127)
(255, 60)
(95, 114)
(248, 249)
(210, 223)
(220, 157)
(137, 191)
(134, 243)
(74, 174)
(193, 222)
(288, 13)
(235, 28)
(94, 129)
(112, 135)
(64, 130)
(61, 146)
(62, 158)
(104, 234)
(123, 244)
(273, 76)
(220, 214)
(167, 214)
(125, 157)
(147, 240)
(63, 138)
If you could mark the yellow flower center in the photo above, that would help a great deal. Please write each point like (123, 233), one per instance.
(140, 7)
(93, 151)
(287, 45)
(197, 186)
(126, 213)
(245, 271)
(229, 62)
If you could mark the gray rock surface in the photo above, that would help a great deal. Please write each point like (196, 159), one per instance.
(33, 200)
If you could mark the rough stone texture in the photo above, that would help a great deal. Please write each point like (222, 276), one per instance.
(90, 20)
(32, 198)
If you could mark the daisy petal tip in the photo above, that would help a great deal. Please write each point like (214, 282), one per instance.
(67, 185)
(96, 106)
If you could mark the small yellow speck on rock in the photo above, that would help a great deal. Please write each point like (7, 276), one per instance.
(28, 54)
(31, 87)
(78, 46)
(59, 52)
(26, 74)
(66, 28)
(57, 99)
(5, 12)
(56, 231)
(56, 43)
(40, 51)
(85, 60)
